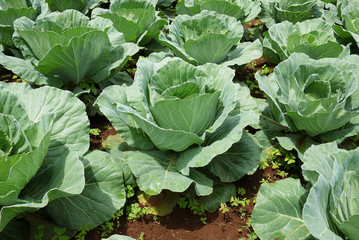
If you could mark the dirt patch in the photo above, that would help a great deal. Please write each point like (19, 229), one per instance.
(105, 129)
(254, 23)
(247, 75)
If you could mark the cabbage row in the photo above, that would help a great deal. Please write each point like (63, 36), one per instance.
(184, 115)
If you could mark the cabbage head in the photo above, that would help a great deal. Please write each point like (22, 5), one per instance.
(329, 209)
(347, 19)
(67, 49)
(11, 10)
(316, 96)
(314, 37)
(80, 5)
(136, 19)
(182, 117)
(276, 11)
(210, 37)
(41, 140)
(44, 161)
(242, 10)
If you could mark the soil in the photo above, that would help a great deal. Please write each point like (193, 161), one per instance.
(106, 129)
(247, 75)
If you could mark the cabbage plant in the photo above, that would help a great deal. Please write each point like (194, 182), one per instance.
(210, 37)
(276, 11)
(67, 49)
(329, 209)
(80, 5)
(136, 19)
(40, 140)
(10, 10)
(314, 37)
(315, 96)
(242, 10)
(43, 141)
(347, 19)
(180, 117)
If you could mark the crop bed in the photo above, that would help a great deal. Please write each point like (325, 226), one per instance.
(191, 120)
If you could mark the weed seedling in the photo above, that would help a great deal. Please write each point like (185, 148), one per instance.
(142, 235)
(241, 191)
(223, 208)
(40, 232)
(59, 232)
(83, 231)
(95, 131)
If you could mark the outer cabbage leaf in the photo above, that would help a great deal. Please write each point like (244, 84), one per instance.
(296, 102)
(12, 231)
(119, 237)
(103, 195)
(244, 11)
(209, 37)
(64, 58)
(313, 37)
(241, 159)
(278, 211)
(137, 20)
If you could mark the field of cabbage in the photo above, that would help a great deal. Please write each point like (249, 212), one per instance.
(189, 119)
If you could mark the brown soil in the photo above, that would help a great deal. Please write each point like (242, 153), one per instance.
(106, 129)
(247, 74)
(254, 23)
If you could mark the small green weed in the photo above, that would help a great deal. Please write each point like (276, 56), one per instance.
(83, 231)
(59, 232)
(135, 211)
(130, 191)
(192, 204)
(235, 202)
(203, 220)
(40, 232)
(224, 208)
(141, 237)
(241, 191)
(95, 131)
